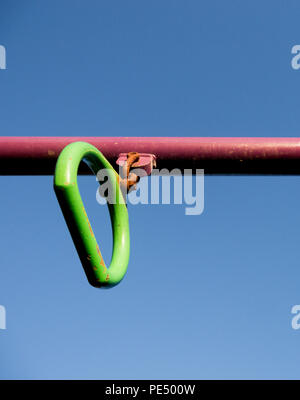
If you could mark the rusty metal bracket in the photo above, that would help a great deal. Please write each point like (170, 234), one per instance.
(145, 161)
(132, 160)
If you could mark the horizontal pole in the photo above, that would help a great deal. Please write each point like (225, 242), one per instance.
(216, 155)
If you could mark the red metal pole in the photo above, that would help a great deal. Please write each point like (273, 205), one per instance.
(216, 155)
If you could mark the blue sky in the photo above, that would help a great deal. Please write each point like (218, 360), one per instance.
(206, 296)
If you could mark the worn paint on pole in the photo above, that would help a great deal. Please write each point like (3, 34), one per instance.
(216, 155)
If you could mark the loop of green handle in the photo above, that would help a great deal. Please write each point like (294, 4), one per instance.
(67, 192)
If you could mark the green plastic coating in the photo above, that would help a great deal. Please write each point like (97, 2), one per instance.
(68, 195)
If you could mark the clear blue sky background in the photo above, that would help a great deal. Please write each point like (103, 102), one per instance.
(205, 296)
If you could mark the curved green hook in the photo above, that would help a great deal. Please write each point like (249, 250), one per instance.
(67, 192)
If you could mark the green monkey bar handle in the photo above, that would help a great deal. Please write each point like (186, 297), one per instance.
(67, 192)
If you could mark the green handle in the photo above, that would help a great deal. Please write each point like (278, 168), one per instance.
(67, 192)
